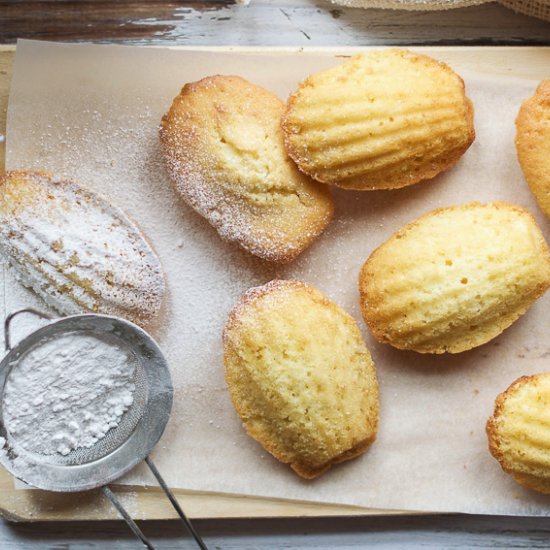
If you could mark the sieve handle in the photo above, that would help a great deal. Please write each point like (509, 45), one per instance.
(131, 523)
(175, 504)
(14, 314)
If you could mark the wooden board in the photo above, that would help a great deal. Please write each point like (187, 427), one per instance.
(150, 503)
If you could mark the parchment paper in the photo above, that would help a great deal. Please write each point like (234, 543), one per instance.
(92, 113)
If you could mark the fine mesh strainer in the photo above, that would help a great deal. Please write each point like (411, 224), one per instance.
(122, 447)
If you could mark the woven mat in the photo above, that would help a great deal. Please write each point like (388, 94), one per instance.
(534, 8)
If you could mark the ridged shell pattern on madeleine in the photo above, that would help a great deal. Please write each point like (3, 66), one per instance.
(300, 376)
(519, 431)
(533, 143)
(381, 120)
(75, 250)
(224, 151)
(455, 278)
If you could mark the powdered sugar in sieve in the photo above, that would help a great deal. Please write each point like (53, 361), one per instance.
(82, 401)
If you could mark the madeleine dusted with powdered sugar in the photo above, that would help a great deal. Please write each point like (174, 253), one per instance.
(224, 151)
(77, 251)
(380, 120)
(300, 376)
(454, 278)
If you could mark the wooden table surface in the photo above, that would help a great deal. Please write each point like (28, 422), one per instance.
(280, 23)
(262, 23)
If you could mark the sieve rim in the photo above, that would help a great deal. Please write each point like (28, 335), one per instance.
(133, 450)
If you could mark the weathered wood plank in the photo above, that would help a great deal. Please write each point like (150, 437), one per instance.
(434, 532)
(263, 22)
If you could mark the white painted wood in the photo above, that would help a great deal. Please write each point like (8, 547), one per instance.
(408, 532)
(322, 23)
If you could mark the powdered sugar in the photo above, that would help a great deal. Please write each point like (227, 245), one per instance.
(75, 250)
(67, 393)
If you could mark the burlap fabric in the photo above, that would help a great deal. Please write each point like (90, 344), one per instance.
(535, 8)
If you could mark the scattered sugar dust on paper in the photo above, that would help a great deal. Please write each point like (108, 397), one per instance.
(92, 112)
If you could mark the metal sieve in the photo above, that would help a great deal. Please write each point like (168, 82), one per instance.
(124, 446)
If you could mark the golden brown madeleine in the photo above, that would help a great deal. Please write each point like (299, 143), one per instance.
(77, 251)
(381, 120)
(533, 143)
(300, 376)
(519, 431)
(455, 278)
(224, 150)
